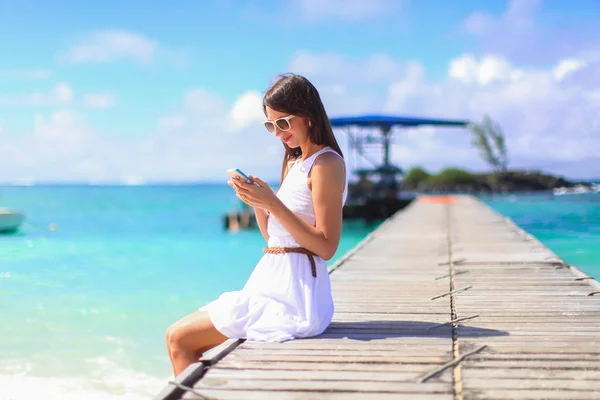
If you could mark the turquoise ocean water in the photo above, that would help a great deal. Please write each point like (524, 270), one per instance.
(83, 309)
(569, 225)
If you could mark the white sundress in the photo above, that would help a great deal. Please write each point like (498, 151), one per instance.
(281, 300)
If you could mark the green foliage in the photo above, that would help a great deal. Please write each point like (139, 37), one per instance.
(456, 179)
(415, 176)
(452, 176)
(489, 140)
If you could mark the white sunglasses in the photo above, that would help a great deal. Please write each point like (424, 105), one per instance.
(282, 123)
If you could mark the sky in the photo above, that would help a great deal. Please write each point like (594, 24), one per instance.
(134, 92)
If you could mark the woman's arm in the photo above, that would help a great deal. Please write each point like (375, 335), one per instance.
(328, 176)
(262, 215)
(261, 219)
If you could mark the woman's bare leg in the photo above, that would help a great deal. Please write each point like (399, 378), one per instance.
(189, 337)
(170, 330)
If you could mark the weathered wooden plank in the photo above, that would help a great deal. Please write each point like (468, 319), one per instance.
(318, 342)
(538, 356)
(503, 394)
(341, 365)
(368, 353)
(525, 321)
(533, 329)
(490, 382)
(507, 347)
(538, 348)
(523, 373)
(312, 395)
(353, 357)
(560, 318)
(320, 385)
(571, 341)
(324, 375)
(392, 340)
(374, 335)
(540, 364)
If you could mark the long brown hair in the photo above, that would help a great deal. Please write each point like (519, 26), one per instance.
(294, 94)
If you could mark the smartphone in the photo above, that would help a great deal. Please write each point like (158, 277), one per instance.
(238, 172)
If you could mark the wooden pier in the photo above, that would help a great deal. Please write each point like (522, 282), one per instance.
(445, 300)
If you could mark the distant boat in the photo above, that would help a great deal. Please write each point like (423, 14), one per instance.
(577, 189)
(10, 220)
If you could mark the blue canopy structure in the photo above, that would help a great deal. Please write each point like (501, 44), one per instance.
(384, 124)
(379, 121)
(378, 192)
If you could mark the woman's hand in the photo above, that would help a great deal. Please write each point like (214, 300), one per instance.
(261, 196)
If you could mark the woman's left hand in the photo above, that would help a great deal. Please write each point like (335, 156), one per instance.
(261, 196)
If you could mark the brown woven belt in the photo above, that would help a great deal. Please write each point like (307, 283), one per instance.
(301, 250)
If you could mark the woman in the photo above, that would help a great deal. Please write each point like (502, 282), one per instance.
(288, 295)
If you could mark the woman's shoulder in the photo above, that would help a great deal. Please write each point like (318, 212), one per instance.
(331, 164)
(329, 157)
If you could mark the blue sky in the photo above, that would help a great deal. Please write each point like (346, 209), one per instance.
(116, 91)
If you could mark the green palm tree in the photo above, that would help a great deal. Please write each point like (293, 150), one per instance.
(489, 140)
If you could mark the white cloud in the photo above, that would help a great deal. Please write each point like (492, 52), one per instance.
(36, 73)
(334, 67)
(61, 125)
(200, 109)
(335, 89)
(206, 136)
(57, 142)
(171, 122)
(61, 146)
(566, 67)
(468, 69)
(349, 10)
(247, 109)
(519, 17)
(349, 85)
(408, 88)
(520, 35)
(113, 45)
(61, 93)
(197, 141)
(99, 100)
(547, 121)
(203, 101)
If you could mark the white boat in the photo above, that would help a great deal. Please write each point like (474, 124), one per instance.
(577, 189)
(10, 220)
